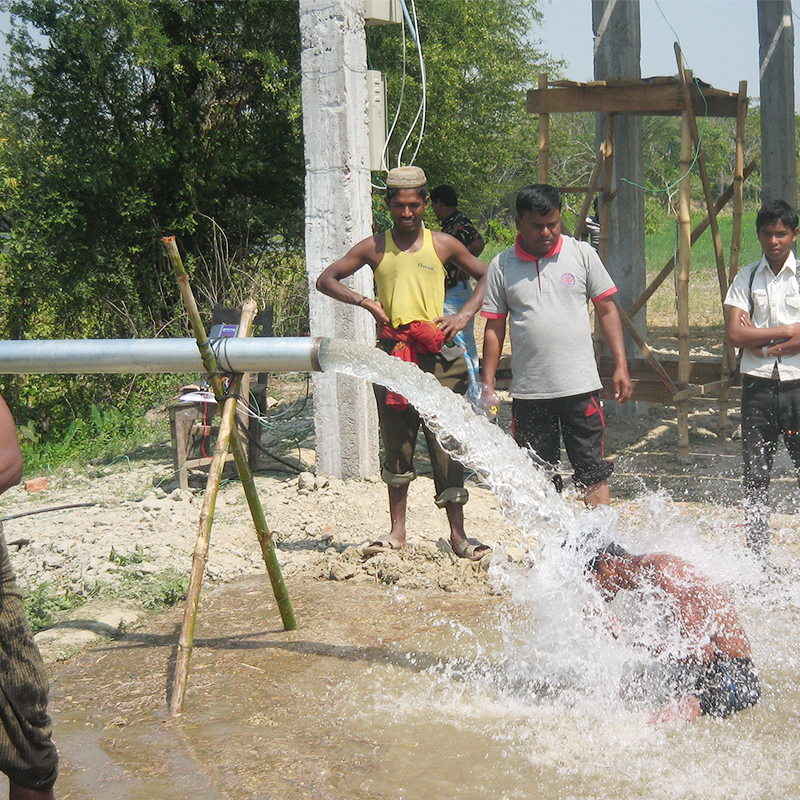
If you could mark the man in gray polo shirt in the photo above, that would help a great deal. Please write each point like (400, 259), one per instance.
(543, 285)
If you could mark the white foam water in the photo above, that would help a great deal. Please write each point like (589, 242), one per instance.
(537, 687)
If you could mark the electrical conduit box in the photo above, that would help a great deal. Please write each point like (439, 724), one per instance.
(383, 12)
(376, 118)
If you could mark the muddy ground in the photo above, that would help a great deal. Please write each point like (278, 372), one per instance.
(112, 662)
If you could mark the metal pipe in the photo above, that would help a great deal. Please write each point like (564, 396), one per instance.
(85, 356)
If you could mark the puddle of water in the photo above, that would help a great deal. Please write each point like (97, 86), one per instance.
(386, 695)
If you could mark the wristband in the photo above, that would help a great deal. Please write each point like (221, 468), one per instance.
(361, 301)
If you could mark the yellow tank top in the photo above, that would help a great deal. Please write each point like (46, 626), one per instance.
(411, 285)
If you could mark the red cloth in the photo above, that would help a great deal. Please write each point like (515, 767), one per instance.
(418, 337)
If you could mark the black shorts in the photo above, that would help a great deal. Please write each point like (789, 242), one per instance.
(722, 687)
(541, 424)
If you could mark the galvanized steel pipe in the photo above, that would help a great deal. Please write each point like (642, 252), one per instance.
(79, 356)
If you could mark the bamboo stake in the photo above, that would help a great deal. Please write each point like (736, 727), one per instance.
(728, 356)
(686, 75)
(684, 255)
(593, 183)
(544, 136)
(200, 557)
(724, 199)
(240, 455)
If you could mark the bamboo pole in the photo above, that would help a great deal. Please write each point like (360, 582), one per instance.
(593, 183)
(240, 455)
(607, 148)
(200, 557)
(728, 356)
(647, 352)
(684, 255)
(724, 199)
(719, 257)
(544, 136)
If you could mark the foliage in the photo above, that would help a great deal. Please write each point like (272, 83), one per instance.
(479, 60)
(42, 604)
(100, 437)
(132, 119)
(154, 592)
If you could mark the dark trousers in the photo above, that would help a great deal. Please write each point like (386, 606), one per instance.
(770, 410)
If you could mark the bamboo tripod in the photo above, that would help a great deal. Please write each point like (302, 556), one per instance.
(661, 97)
(227, 436)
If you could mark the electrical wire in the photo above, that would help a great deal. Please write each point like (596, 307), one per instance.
(422, 110)
(397, 111)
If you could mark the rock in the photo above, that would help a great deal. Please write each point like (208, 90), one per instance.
(53, 561)
(306, 480)
(341, 570)
(37, 485)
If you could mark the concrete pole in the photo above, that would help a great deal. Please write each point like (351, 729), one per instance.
(617, 50)
(776, 59)
(338, 214)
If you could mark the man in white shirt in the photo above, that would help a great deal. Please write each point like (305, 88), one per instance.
(763, 318)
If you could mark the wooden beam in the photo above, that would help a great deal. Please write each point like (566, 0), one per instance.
(631, 98)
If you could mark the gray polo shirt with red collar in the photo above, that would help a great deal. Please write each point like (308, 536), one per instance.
(546, 302)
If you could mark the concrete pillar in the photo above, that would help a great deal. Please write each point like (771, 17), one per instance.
(776, 59)
(338, 214)
(617, 50)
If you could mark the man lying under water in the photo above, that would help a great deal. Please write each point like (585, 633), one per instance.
(707, 663)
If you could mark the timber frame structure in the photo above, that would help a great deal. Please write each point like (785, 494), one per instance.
(652, 379)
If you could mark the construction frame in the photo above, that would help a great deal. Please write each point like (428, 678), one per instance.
(653, 380)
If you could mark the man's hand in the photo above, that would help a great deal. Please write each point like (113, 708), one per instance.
(623, 388)
(376, 309)
(453, 323)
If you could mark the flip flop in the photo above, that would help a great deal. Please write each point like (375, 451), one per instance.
(471, 549)
(383, 544)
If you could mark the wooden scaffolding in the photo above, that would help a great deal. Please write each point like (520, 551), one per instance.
(653, 379)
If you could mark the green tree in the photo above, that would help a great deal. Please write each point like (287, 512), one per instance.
(130, 119)
(479, 63)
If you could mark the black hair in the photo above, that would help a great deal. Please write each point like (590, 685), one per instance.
(539, 197)
(444, 194)
(421, 190)
(776, 211)
(609, 549)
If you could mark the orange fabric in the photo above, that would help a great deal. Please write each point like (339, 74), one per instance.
(418, 337)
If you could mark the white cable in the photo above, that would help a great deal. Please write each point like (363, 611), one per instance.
(399, 106)
(421, 111)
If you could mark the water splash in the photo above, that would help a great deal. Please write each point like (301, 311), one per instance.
(526, 495)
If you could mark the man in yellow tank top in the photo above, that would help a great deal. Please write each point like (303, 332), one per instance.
(408, 264)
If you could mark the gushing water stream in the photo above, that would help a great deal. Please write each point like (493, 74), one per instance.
(548, 684)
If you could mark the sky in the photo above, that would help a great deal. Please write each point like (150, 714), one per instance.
(719, 40)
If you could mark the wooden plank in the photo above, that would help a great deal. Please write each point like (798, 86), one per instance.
(637, 99)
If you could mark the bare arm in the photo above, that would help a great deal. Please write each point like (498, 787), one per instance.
(781, 340)
(611, 325)
(493, 337)
(365, 253)
(477, 245)
(448, 248)
(10, 454)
